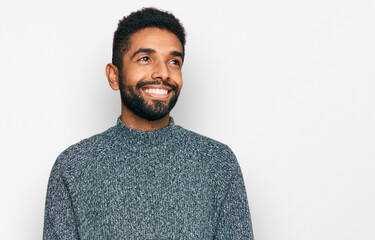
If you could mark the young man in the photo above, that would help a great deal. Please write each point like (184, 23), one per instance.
(147, 178)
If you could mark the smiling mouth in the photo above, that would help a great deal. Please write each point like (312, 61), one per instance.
(156, 92)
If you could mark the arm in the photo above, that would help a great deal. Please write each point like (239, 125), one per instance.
(59, 219)
(234, 217)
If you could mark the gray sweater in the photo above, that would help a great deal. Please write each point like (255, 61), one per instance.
(129, 184)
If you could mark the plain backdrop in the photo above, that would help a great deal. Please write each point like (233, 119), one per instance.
(288, 85)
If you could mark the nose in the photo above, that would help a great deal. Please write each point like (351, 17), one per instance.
(160, 71)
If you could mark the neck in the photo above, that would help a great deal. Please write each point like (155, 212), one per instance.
(133, 121)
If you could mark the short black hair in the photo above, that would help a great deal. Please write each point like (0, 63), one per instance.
(143, 18)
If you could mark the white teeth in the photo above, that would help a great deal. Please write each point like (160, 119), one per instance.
(157, 91)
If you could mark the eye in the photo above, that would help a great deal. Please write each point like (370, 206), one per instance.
(176, 62)
(144, 59)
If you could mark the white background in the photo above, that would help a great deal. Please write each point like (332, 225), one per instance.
(288, 85)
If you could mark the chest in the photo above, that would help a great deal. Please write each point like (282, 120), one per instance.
(147, 196)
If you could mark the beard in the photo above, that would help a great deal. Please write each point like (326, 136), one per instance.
(157, 109)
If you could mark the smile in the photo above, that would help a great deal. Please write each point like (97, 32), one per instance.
(156, 92)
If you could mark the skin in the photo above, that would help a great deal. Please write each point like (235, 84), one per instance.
(154, 54)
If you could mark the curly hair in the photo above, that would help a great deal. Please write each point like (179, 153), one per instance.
(146, 17)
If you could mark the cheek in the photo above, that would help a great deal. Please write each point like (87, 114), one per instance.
(134, 76)
(179, 81)
(180, 84)
(177, 78)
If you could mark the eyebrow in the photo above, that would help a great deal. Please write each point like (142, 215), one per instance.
(150, 50)
(177, 54)
(143, 50)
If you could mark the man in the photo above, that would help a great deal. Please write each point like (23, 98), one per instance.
(147, 178)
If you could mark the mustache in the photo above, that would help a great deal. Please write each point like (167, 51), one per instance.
(157, 82)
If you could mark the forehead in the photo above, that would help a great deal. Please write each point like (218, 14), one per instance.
(155, 38)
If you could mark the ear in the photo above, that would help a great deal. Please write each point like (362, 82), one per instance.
(112, 74)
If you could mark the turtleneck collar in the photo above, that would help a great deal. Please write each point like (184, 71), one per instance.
(136, 137)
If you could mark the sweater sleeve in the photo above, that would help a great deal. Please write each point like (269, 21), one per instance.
(59, 219)
(234, 217)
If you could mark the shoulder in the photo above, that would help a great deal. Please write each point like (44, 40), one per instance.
(216, 160)
(218, 153)
(203, 142)
(82, 152)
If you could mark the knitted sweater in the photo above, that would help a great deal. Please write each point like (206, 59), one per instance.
(129, 184)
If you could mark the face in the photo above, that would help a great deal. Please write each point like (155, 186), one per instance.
(150, 80)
